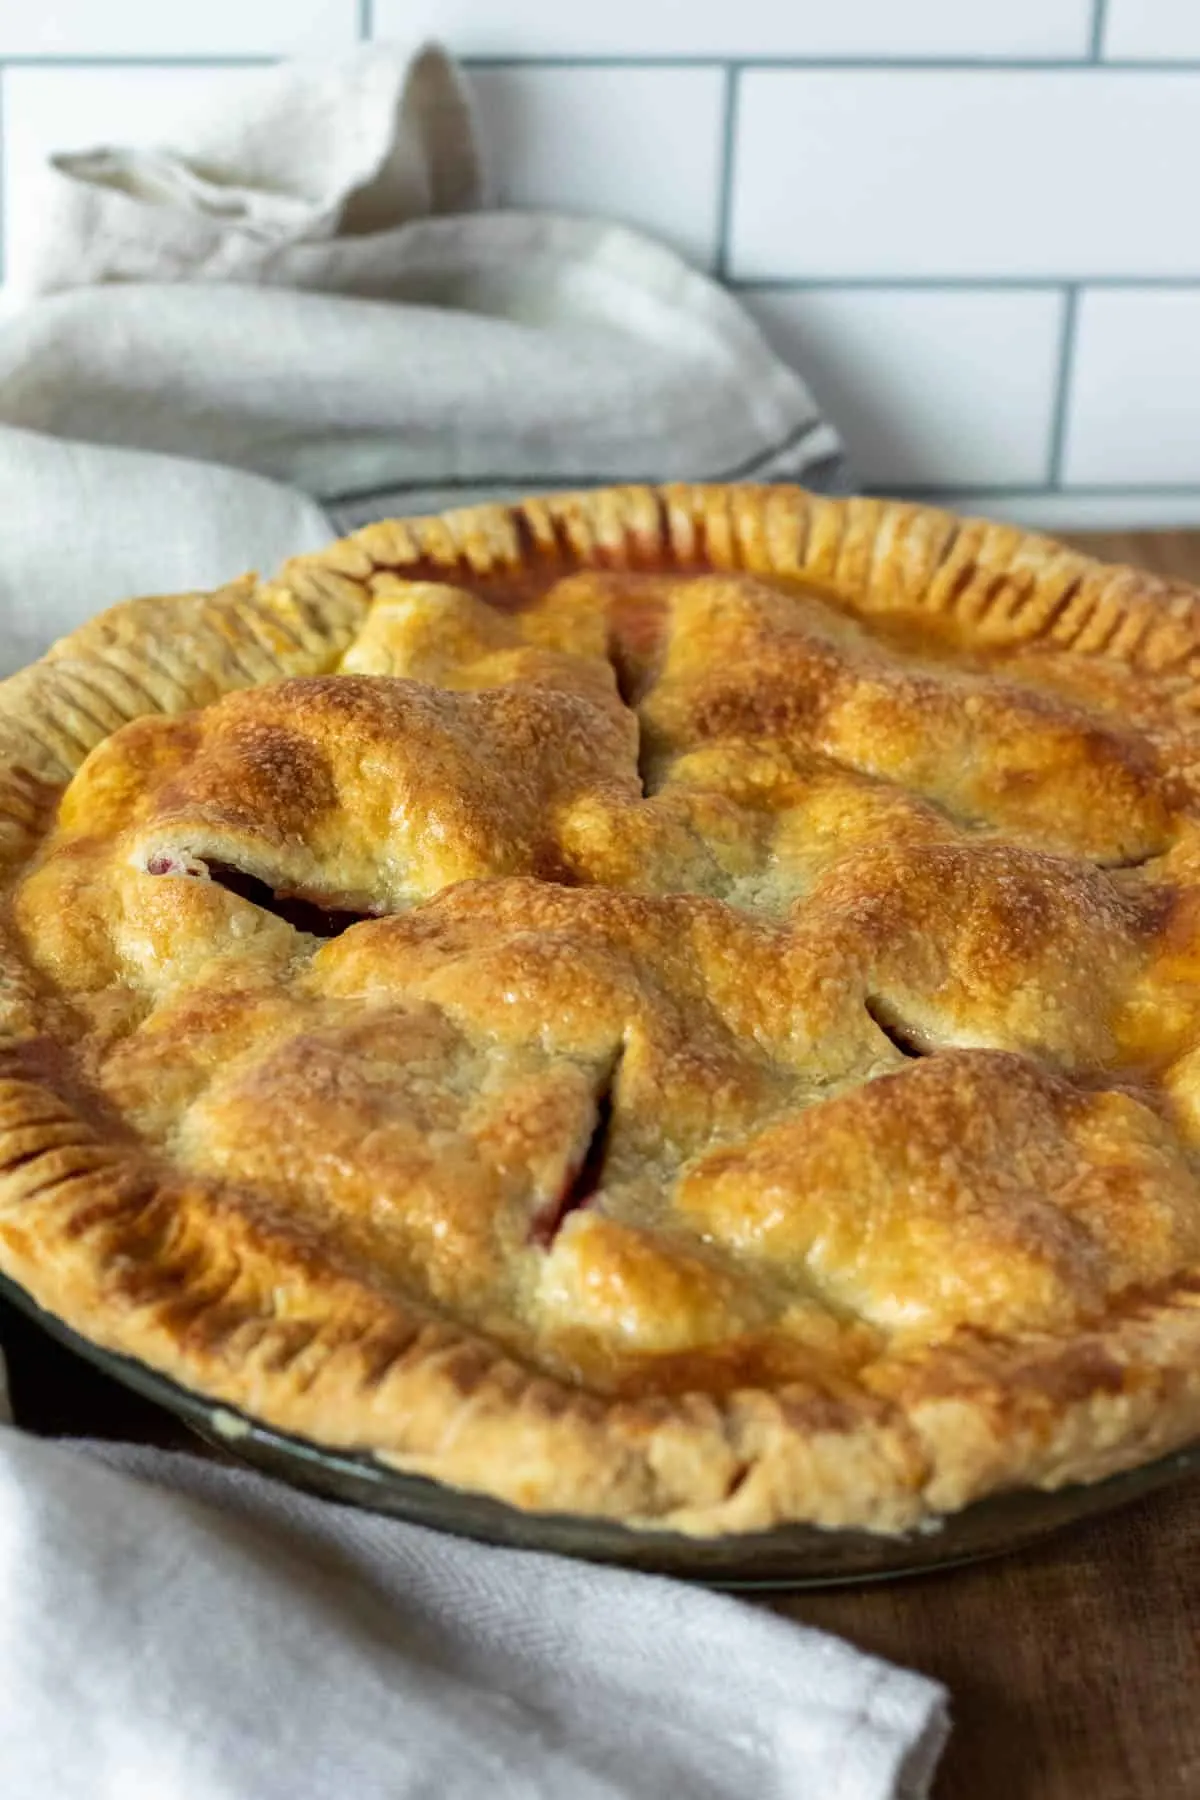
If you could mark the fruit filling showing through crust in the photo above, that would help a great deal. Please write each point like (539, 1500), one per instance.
(304, 913)
(708, 990)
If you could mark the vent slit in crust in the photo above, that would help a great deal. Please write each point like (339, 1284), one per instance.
(584, 1180)
(301, 912)
(649, 766)
(897, 1034)
(623, 675)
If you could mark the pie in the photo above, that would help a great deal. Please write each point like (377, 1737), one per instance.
(675, 1005)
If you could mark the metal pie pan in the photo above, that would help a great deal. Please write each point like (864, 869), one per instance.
(790, 1556)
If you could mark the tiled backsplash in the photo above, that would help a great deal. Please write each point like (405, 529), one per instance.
(970, 224)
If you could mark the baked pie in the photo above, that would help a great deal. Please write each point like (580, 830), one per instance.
(676, 1005)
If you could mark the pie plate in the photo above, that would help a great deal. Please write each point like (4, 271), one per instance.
(661, 1025)
(790, 1556)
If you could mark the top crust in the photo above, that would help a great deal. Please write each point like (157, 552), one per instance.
(680, 1005)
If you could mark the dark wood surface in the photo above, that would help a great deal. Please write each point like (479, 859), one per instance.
(1074, 1668)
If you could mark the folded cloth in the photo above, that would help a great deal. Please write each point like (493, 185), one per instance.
(173, 1627)
(300, 291)
(287, 325)
(300, 182)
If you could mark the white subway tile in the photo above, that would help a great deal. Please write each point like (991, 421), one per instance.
(51, 109)
(175, 27)
(849, 173)
(1134, 404)
(929, 387)
(1121, 509)
(1152, 28)
(750, 28)
(639, 145)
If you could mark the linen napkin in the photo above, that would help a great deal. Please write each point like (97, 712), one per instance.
(175, 1628)
(289, 323)
(300, 291)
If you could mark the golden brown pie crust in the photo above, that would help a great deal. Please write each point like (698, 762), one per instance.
(676, 1005)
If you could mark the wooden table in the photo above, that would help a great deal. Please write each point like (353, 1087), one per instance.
(1074, 1667)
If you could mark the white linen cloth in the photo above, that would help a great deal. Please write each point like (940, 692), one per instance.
(175, 1630)
(229, 348)
(301, 292)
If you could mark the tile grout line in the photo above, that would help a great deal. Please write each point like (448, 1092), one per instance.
(1086, 490)
(892, 65)
(1062, 396)
(800, 284)
(166, 60)
(726, 177)
(1099, 23)
(999, 65)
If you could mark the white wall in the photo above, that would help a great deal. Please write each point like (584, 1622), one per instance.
(969, 220)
